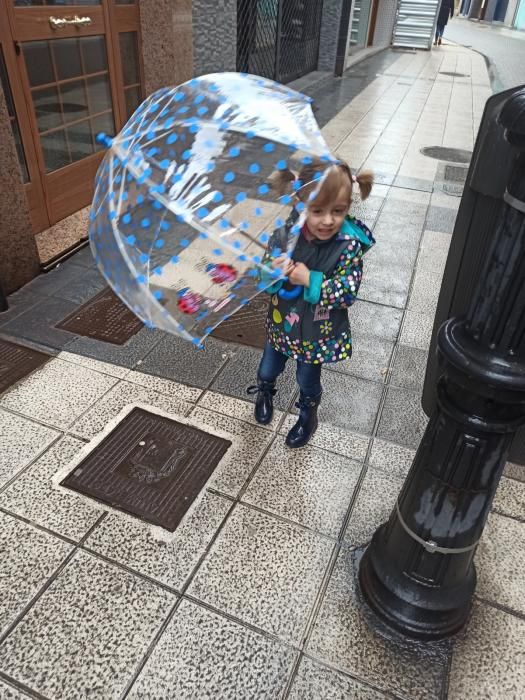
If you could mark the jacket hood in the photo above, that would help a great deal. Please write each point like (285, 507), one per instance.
(355, 229)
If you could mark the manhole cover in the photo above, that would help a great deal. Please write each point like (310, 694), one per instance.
(150, 466)
(247, 326)
(16, 362)
(453, 74)
(454, 155)
(451, 179)
(104, 317)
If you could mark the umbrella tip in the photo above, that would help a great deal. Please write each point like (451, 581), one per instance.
(104, 139)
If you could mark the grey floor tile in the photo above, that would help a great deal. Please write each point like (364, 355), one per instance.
(87, 633)
(315, 682)
(381, 287)
(21, 441)
(370, 358)
(241, 372)
(34, 496)
(57, 393)
(376, 320)
(175, 358)
(85, 286)
(95, 365)
(334, 439)
(488, 657)
(19, 303)
(409, 368)
(375, 501)
(349, 402)
(121, 395)
(441, 219)
(433, 252)
(343, 638)
(425, 291)
(38, 323)
(417, 330)
(413, 183)
(84, 257)
(515, 471)
(236, 408)
(391, 458)
(510, 498)
(128, 355)
(9, 692)
(264, 572)
(171, 562)
(309, 486)
(500, 563)
(248, 443)
(47, 283)
(402, 420)
(204, 655)
(28, 557)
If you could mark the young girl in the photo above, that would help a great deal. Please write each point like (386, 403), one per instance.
(327, 262)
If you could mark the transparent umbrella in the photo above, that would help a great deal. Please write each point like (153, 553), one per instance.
(183, 210)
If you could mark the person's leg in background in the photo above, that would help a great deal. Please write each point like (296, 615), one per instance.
(271, 366)
(309, 380)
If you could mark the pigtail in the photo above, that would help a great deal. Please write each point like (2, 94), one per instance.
(281, 181)
(365, 180)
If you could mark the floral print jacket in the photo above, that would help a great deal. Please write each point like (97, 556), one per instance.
(314, 327)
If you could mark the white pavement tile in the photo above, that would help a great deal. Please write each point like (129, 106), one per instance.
(335, 439)
(236, 408)
(95, 365)
(57, 393)
(317, 682)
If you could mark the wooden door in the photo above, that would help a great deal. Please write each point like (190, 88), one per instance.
(77, 73)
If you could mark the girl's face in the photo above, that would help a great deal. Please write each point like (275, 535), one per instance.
(324, 221)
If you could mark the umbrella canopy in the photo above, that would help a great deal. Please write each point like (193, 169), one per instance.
(183, 209)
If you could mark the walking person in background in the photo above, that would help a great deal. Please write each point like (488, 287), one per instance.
(445, 11)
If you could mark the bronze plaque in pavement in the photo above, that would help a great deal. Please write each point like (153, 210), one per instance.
(17, 361)
(150, 466)
(104, 317)
(246, 326)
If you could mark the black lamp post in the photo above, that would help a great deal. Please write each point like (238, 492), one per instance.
(418, 573)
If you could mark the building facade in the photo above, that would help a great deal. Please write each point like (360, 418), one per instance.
(71, 70)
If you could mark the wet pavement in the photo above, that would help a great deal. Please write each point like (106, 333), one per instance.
(254, 594)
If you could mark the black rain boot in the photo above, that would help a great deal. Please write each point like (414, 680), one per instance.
(307, 423)
(264, 402)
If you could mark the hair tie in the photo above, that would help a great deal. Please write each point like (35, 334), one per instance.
(354, 179)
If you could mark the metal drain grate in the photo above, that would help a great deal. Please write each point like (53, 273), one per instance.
(150, 466)
(16, 362)
(104, 317)
(453, 155)
(247, 326)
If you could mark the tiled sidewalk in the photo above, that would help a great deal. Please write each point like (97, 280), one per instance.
(254, 596)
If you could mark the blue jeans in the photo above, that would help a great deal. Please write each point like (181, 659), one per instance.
(439, 31)
(308, 376)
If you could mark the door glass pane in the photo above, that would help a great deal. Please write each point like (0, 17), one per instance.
(47, 108)
(132, 96)
(104, 123)
(99, 95)
(74, 102)
(129, 57)
(360, 19)
(80, 140)
(4, 83)
(94, 54)
(39, 67)
(55, 150)
(67, 58)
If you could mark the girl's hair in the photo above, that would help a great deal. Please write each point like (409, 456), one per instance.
(305, 183)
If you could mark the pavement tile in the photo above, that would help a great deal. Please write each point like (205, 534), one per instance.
(391, 458)
(28, 557)
(248, 443)
(8, 692)
(57, 393)
(38, 323)
(343, 638)
(86, 634)
(135, 544)
(433, 252)
(333, 438)
(84, 257)
(21, 441)
(88, 283)
(204, 655)
(500, 563)
(376, 498)
(315, 681)
(370, 358)
(425, 291)
(441, 219)
(410, 365)
(310, 486)
(402, 420)
(367, 318)
(515, 471)
(417, 330)
(121, 395)
(489, 657)
(349, 402)
(127, 355)
(175, 358)
(175, 390)
(95, 365)
(33, 496)
(47, 283)
(381, 287)
(236, 408)
(241, 372)
(510, 498)
(264, 572)
(19, 303)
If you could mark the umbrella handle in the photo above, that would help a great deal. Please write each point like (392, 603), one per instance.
(290, 294)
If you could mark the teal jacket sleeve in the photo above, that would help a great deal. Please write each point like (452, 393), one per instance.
(312, 293)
